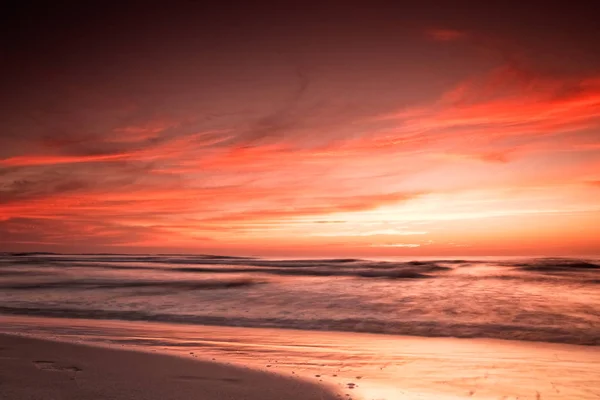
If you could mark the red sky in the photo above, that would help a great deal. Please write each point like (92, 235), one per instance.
(338, 130)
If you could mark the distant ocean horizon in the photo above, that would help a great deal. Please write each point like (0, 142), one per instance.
(305, 256)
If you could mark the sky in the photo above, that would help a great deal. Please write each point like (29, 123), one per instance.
(414, 129)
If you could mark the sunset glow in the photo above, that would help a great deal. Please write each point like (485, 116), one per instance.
(420, 139)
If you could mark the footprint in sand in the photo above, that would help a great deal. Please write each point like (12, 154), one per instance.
(53, 366)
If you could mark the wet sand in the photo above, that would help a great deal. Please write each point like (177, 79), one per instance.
(356, 365)
(46, 370)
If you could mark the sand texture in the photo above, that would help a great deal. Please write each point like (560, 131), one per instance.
(32, 369)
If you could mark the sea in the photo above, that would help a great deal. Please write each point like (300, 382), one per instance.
(331, 320)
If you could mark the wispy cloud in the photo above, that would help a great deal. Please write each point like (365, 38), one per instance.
(504, 105)
(308, 159)
(386, 232)
(409, 245)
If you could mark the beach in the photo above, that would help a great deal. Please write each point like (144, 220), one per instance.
(370, 329)
(353, 365)
(46, 370)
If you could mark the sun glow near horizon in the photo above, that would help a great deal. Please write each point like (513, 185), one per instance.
(470, 143)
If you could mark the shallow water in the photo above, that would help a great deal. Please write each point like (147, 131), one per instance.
(551, 300)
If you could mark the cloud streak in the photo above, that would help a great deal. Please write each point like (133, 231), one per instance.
(342, 152)
(504, 105)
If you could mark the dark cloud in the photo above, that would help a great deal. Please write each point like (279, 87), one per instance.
(45, 186)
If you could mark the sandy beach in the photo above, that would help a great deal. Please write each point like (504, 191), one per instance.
(44, 370)
(354, 365)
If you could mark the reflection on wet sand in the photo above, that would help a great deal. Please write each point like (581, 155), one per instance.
(361, 366)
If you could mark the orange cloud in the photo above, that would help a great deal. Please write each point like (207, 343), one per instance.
(33, 160)
(287, 177)
(487, 110)
(148, 150)
(324, 206)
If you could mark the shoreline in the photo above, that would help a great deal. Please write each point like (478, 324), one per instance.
(82, 321)
(49, 369)
(356, 365)
(523, 335)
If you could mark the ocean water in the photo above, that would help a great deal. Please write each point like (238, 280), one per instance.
(542, 299)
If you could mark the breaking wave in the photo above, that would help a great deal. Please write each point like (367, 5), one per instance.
(545, 299)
